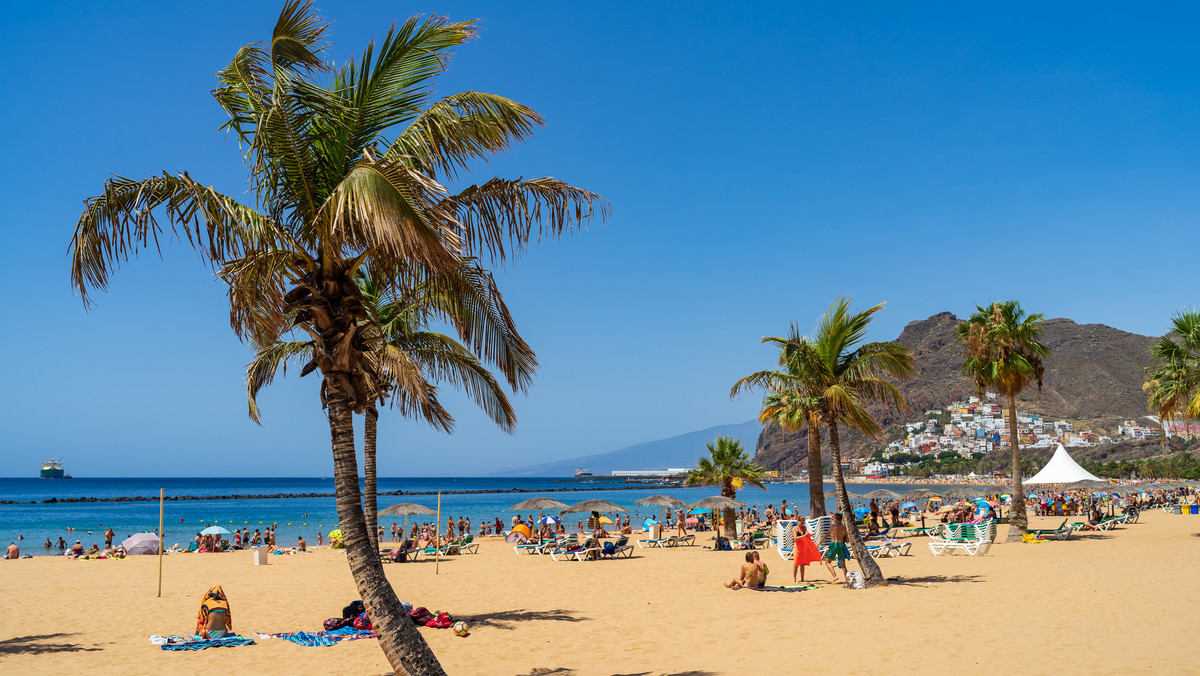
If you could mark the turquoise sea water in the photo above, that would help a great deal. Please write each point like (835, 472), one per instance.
(183, 519)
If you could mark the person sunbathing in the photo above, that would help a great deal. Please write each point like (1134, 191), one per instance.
(76, 550)
(752, 574)
(214, 619)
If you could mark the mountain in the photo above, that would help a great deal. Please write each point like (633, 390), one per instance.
(677, 451)
(1093, 376)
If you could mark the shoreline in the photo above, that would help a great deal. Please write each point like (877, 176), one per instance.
(288, 496)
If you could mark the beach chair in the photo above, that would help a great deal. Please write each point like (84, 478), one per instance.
(621, 546)
(468, 545)
(678, 540)
(643, 544)
(1045, 532)
(888, 549)
(971, 539)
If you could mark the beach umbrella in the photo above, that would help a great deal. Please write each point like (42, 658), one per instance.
(335, 533)
(141, 543)
(919, 494)
(593, 506)
(882, 493)
(539, 504)
(214, 530)
(405, 509)
(1086, 484)
(908, 505)
(603, 519)
(715, 502)
(647, 522)
(853, 496)
(660, 501)
(550, 521)
(861, 511)
(700, 510)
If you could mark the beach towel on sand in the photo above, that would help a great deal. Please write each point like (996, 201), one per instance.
(321, 638)
(197, 643)
(787, 588)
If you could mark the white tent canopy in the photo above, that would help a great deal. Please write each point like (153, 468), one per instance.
(1061, 470)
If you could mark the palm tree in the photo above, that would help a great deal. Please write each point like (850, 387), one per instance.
(1001, 353)
(346, 171)
(411, 359)
(848, 375)
(789, 405)
(730, 467)
(1173, 383)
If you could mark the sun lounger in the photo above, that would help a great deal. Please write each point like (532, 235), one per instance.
(1044, 532)
(971, 539)
(621, 546)
(888, 549)
(468, 545)
(580, 554)
(678, 540)
(643, 544)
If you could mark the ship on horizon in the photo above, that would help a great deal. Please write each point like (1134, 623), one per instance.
(581, 472)
(54, 470)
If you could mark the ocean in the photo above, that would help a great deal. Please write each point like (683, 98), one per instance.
(304, 515)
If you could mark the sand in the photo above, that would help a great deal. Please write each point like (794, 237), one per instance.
(1119, 601)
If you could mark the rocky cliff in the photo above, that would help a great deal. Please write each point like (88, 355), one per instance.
(1093, 376)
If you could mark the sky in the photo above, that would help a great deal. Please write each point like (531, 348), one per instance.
(760, 159)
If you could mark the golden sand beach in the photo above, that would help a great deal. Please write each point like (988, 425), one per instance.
(1122, 601)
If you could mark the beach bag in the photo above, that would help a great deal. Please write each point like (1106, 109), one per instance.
(420, 615)
(855, 579)
(609, 549)
(442, 621)
(337, 623)
(363, 623)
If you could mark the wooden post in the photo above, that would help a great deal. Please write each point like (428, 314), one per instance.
(437, 549)
(161, 539)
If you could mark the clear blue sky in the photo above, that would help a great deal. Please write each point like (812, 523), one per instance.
(760, 159)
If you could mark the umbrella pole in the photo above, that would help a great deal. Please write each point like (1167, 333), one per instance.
(437, 549)
(160, 540)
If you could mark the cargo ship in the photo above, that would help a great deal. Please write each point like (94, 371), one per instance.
(581, 472)
(54, 470)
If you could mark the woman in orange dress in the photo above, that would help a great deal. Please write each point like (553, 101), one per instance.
(804, 551)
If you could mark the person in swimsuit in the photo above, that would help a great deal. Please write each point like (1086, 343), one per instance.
(752, 574)
(804, 551)
(214, 619)
(837, 547)
(679, 521)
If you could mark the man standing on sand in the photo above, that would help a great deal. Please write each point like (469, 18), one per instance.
(837, 546)
(14, 552)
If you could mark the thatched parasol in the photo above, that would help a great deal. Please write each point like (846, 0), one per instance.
(664, 501)
(405, 509)
(1085, 485)
(882, 493)
(919, 494)
(539, 504)
(717, 502)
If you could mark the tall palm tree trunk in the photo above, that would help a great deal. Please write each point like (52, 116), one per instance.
(727, 514)
(872, 575)
(405, 648)
(1018, 522)
(370, 497)
(816, 471)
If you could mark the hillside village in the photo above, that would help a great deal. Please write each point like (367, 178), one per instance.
(980, 425)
